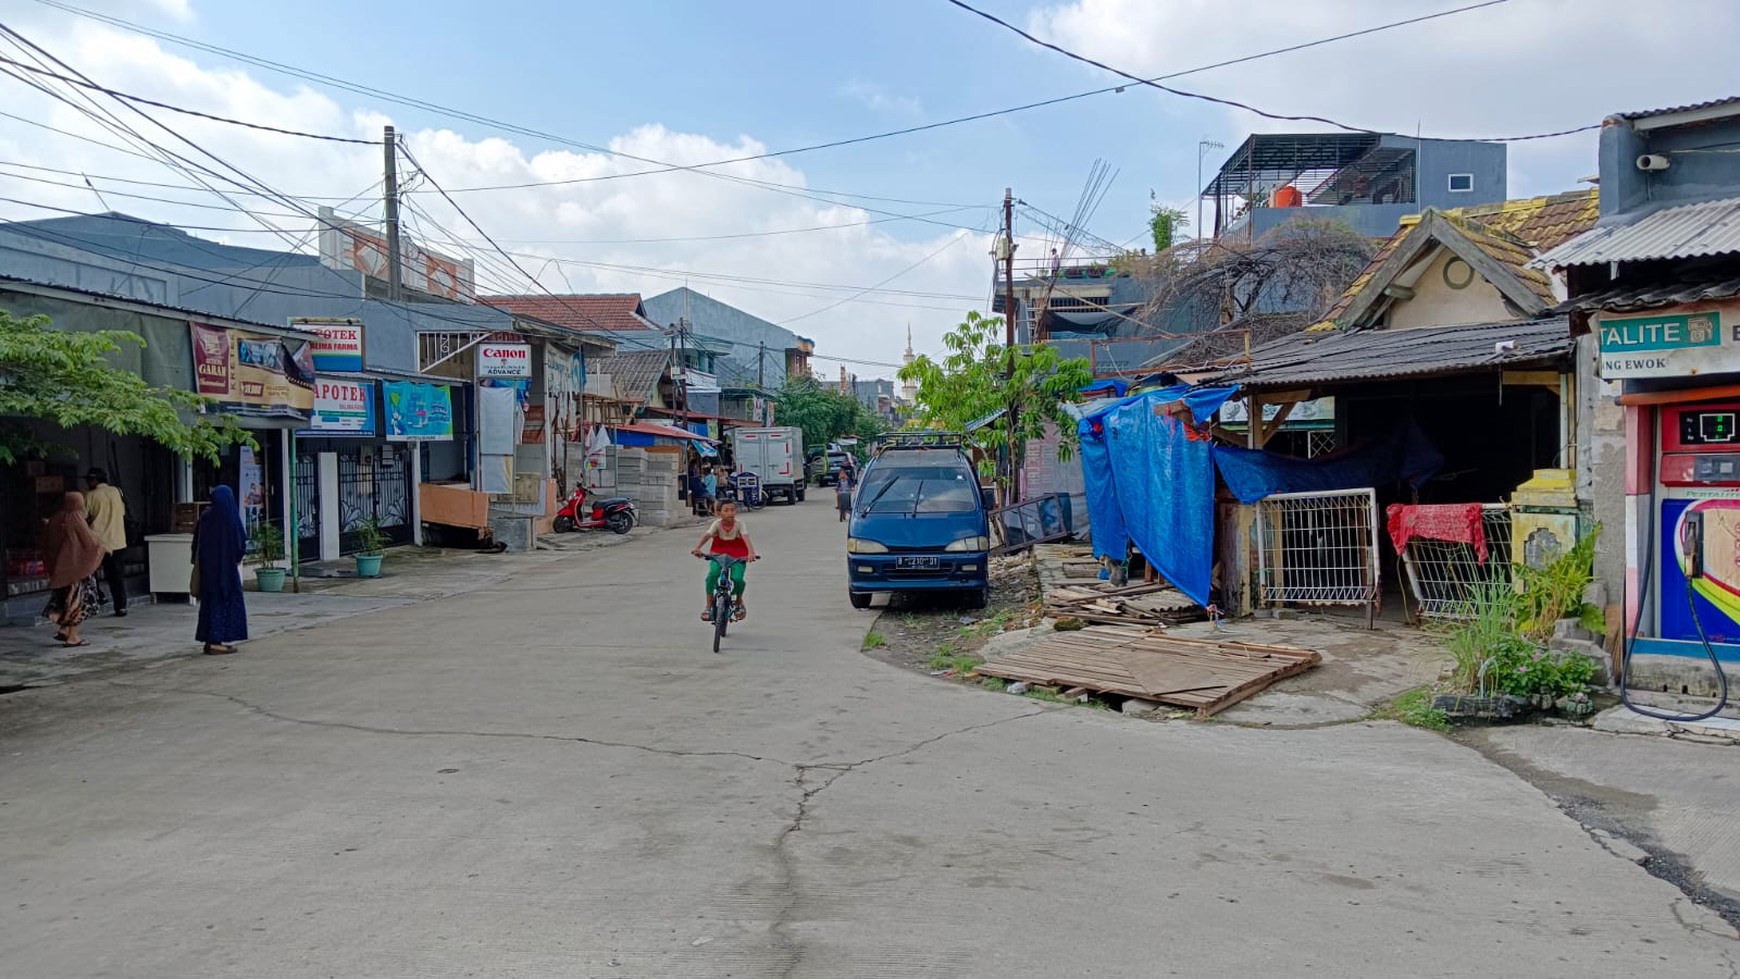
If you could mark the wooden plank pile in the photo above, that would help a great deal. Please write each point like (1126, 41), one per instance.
(1155, 605)
(1203, 675)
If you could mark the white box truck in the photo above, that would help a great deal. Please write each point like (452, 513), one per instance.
(776, 455)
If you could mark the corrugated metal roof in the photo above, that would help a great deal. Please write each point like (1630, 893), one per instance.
(1625, 298)
(1733, 100)
(1687, 231)
(1345, 356)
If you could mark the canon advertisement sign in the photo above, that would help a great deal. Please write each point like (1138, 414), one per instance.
(504, 359)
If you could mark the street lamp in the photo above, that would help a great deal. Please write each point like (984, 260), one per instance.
(1202, 148)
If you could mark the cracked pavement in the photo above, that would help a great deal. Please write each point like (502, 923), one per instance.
(553, 776)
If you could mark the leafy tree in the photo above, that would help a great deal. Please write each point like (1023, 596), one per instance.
(978, 377)
(824, 413)
(65, 377)
(1164, 223)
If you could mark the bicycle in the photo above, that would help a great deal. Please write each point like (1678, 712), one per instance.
(724, 598)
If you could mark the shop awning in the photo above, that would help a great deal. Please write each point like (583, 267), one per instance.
(662, 431)
(1336, 357)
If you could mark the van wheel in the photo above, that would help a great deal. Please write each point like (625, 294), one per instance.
(978, 598)
(800, 498)
(860, 599)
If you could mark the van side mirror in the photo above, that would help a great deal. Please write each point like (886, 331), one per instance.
(988, 496)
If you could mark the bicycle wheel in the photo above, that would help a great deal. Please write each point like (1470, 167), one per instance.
(721, 616)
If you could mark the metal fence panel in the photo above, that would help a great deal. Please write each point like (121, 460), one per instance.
(1442, 574)
(1318, 549)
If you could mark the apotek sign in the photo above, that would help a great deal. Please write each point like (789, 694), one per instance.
(340, 347)
(504, 359)
(343, 407)
(1667, 345)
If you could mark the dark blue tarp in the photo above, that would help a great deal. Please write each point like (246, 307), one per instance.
(1150, 481)
(1114, 386)
(1404, 455)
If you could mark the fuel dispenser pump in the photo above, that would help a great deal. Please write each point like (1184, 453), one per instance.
(1698, 539)
(1695, 547)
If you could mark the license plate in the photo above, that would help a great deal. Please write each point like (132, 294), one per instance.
(916, 563)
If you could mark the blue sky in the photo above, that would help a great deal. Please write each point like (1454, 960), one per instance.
(696, 81)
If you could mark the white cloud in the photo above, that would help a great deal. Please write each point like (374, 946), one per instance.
(1526, 66)
(878, 99)
(594, 228)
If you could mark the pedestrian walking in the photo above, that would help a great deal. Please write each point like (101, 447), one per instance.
(107, 513)
(219, 541)
(843, 494)
(710, 490)
(73, 555)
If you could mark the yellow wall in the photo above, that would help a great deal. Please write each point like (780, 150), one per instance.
(1436, 304)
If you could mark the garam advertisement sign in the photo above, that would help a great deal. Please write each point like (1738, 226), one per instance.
(250, 374)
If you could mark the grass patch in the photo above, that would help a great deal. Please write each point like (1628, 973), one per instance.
(996, 683)
(947, 658)
(874, 640)
(1415, 709)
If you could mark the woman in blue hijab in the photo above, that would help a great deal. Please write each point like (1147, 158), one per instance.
(219, 541)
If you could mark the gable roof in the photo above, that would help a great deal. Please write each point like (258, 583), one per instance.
(635, 374)
(1499, 240)
(593, 313)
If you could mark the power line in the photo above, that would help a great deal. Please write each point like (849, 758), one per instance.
(952, 242)
(416, 103)
(112, 93)
(1233, 103)
(231, 208)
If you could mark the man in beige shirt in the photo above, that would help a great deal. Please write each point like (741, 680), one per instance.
(107, 513)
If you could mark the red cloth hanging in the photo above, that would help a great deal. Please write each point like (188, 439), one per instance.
(1459, 522)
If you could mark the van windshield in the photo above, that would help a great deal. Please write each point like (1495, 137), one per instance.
(921, 489)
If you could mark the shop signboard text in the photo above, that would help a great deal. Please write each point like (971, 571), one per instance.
(340, 347)
(504, 359)
(1667, 345)
(343, 407)
(249, 374)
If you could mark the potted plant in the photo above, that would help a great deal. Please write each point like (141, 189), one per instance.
(268, 550)
(371, 547)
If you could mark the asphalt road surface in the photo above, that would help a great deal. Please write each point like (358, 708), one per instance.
(554, 776)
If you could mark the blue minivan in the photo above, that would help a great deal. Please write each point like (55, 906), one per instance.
(919, 523)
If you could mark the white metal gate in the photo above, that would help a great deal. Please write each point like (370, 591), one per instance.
(1442, 575)
(1318, 549)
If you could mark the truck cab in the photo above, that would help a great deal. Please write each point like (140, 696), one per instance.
(919, 523)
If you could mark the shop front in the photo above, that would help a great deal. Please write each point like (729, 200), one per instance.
(1679, 372)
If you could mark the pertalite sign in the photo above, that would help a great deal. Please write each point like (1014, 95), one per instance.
(504, 360)
(1667, 345)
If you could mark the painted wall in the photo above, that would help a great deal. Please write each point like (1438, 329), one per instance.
(1435, 303)
(1691, 176)
(745, 334)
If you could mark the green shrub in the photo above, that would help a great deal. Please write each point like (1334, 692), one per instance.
(1556, 592)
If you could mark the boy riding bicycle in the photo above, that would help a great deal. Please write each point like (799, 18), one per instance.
(730, 540)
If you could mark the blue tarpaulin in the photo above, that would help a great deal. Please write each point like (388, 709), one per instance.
(1150, 481)
(1404, 455)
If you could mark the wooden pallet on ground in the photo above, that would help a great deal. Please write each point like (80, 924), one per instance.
(1156, 604)
(1204, 675)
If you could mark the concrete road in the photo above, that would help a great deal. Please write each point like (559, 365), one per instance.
(554, 777)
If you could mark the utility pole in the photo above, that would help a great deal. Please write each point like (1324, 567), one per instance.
(390, 150)
(761, 367)
(1013, 492)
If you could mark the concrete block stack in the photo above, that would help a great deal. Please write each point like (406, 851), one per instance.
(657, 491)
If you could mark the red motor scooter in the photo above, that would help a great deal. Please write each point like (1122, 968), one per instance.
(617, 514)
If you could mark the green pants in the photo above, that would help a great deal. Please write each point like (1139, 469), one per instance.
(736, 578)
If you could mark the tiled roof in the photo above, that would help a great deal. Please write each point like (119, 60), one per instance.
(1621, 299)
(1343, 356)
(1687, 231)
(1539, 222)
(635, 374)
(609, 312)
(1510, 232)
